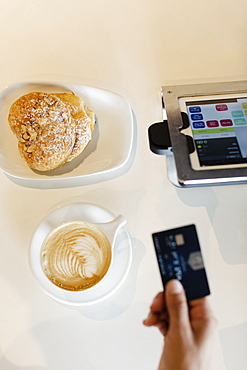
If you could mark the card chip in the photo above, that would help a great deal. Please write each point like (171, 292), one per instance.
(179, 238)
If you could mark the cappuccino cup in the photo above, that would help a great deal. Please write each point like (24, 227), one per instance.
(76, 256)
(73, 258)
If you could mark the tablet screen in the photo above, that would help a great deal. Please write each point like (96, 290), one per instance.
(219, 130)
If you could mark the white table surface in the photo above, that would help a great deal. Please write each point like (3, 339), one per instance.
(131, 48)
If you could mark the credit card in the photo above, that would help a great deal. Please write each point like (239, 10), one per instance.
(179, 257)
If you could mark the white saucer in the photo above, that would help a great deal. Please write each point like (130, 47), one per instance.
(122, 253)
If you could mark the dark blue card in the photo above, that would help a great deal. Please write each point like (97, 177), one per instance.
(179, 257)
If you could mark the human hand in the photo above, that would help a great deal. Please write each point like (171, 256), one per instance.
(188, 330)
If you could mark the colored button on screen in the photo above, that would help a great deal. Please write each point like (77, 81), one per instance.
(237, 113)
(194, 109)
(244, 105)
(240, 121)
(226, 122)
(213, 123)
(196, 117)
(199, 124)
(221, 107)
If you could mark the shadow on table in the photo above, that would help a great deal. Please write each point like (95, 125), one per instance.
(227, 210)
(233, 342)
(63, 341)
(7, 365)
(116, 304)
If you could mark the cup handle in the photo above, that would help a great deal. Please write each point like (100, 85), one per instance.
(111, 228)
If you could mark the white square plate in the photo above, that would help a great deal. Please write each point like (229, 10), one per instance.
(111, 143)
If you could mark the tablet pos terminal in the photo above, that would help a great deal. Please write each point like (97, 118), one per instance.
(203, 134)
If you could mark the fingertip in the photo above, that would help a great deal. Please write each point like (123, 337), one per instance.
(148, 320)
(174, 287)
(158, 302)
(145, 322)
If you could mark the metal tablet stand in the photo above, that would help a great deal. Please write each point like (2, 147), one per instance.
(165, 137)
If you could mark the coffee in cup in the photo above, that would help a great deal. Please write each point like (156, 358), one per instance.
(76, 256)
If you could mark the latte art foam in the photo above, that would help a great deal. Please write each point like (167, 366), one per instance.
(76, 256)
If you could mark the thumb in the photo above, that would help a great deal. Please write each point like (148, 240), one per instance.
(177, 306)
